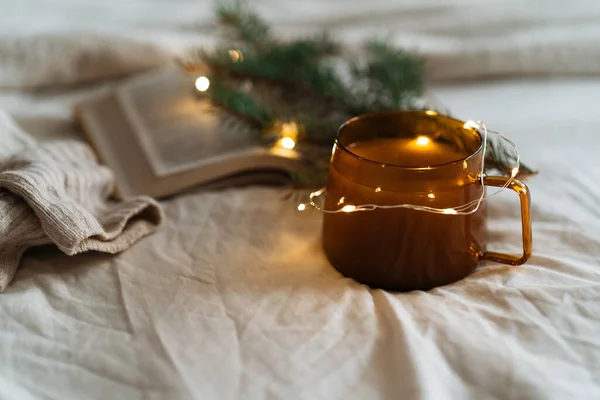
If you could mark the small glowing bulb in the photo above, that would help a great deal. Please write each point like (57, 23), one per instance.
(378, 189)
(348, 208)
(317, 193)
(431, 196)
(288, 143)
(235, 55)
(301, 207)
(341, 201)
(515, 171)
(450, 211)
(465, 164)
(470, 125)
(431, 112)
(422, 140)
(202, 83)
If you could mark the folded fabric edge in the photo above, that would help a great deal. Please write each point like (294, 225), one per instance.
(142, 216)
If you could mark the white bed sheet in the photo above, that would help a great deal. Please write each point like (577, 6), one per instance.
(234, 298)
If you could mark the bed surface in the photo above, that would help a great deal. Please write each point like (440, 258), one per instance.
(234, 297)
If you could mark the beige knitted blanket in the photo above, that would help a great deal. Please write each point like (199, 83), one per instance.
(55, 192)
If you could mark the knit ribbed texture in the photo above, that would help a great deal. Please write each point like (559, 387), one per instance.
(55, 192)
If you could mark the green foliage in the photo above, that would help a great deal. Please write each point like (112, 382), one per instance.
(310, 89)
(265, 81)
(245, 26)
(394, 76)
(501, 158)
(242, 105)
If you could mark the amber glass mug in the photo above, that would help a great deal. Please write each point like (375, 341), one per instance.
(410, 157)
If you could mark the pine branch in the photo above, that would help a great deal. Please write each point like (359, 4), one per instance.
(245, 26)
(501, 158)
(240, 104)
(395, 77)
(279, 62)
(307, 81)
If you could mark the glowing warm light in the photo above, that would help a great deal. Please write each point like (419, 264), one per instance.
(348, 208)
(289, 129)
(465, 164)
(287, 143)
(202, 83)
(431, 196)
(341, 201)
(431, 112)
(378, 189)
(317, 193)
(515, 171)
(288, 132)
(449, 211)
(423, 140)
(470, 125)
(236, 55)
(301, 207)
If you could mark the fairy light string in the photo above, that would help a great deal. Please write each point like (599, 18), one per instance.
(463, 209)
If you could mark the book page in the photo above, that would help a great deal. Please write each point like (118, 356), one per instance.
(178, 130)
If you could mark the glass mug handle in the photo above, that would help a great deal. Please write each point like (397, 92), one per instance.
(523, 192)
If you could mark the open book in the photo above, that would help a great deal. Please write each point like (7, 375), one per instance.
(160, 138)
